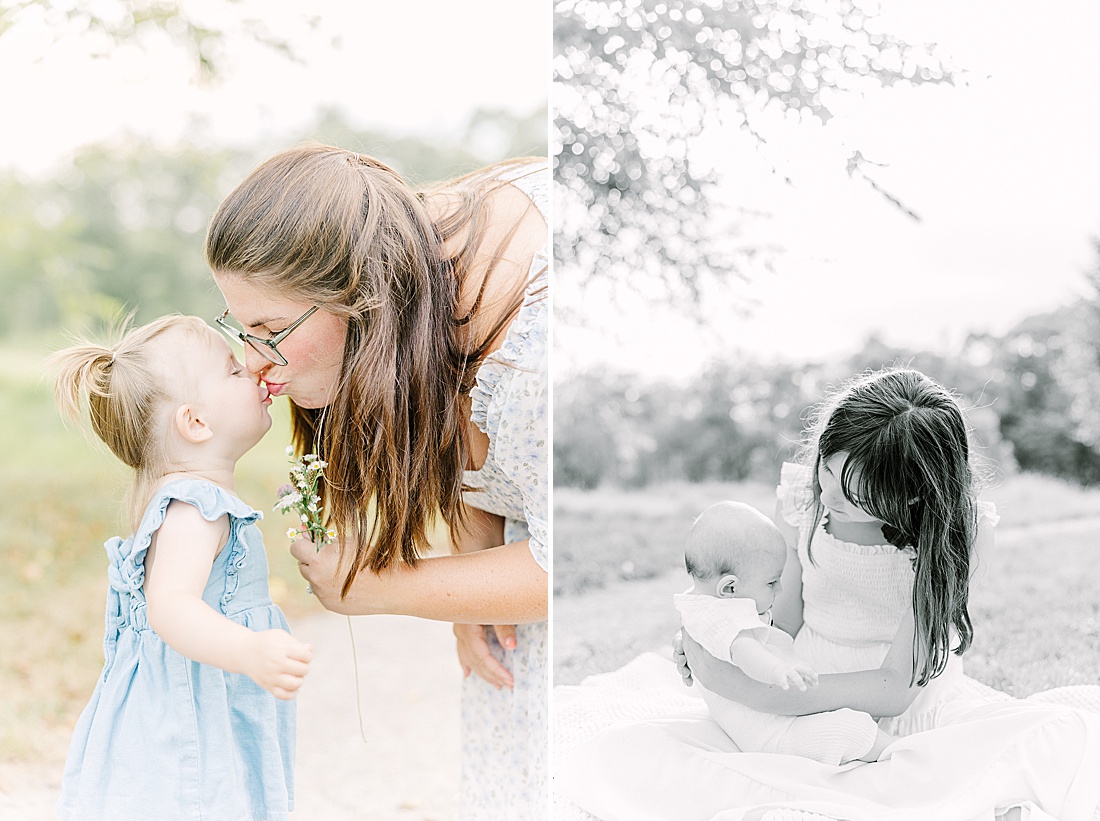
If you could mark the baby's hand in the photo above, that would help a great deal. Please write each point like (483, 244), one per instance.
(278, 662)
(800, 674)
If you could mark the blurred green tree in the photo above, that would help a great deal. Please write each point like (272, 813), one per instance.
(147, 24)
(122, 227)
(636, 79)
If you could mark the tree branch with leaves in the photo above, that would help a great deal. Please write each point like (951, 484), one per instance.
(636, 80)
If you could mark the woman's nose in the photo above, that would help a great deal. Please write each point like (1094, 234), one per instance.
(255, 362)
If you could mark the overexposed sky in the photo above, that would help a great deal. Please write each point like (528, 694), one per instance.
(1003, 169)
(419, 66)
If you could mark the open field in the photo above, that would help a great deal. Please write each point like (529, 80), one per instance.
(1035, 600)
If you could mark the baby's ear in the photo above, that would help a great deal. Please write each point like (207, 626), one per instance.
(190, 425)
(727, 586)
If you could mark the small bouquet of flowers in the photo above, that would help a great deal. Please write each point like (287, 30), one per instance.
(301, 496)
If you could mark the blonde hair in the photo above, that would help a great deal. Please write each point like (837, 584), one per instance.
(345, 232)
(123, 390)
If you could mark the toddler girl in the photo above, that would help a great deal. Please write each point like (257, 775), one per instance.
(735, 556)
(191, 716)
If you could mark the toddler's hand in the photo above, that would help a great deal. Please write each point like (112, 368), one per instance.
(278, 662)
(799, 674)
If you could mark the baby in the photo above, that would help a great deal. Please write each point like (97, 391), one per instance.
(735, 556)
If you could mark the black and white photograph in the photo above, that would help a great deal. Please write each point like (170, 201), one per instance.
(826, 440)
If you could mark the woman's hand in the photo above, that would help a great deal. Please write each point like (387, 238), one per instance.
(474, 654)
(324, 573)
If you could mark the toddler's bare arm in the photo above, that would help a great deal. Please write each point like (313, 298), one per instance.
(758, 661)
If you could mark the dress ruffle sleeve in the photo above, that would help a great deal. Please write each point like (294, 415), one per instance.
(795, 493)
(987, 511)
(509, 402)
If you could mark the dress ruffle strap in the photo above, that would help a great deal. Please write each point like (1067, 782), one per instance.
(514, 353)
(126, 557)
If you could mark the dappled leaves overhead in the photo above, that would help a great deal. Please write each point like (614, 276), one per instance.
(637, 79)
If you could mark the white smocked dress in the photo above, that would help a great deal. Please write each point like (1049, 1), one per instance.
(504, 732)
(968, 754)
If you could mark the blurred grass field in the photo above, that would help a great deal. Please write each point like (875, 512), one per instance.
(61, 498)
(1035, 600)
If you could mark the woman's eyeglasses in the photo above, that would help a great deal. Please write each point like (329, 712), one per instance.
(264, 347)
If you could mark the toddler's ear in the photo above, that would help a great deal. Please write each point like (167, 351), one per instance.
(190, 426)
(727, 586)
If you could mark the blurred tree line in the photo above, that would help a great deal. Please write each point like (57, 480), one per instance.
(1032, 397)
(121, 227)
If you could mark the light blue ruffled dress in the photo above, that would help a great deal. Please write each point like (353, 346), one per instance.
(504, 733)
(165, 738)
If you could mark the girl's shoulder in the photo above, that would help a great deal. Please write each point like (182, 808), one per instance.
(127, 556)
(211, 500)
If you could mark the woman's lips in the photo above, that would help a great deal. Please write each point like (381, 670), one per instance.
(275, 388)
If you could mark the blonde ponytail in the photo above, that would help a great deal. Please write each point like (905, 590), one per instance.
(123, 390)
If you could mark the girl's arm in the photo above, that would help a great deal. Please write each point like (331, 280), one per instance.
(177, 568)
(787, 610)
(496, 585)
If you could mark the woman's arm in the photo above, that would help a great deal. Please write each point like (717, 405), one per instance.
(177, 567)
(887, 691)
(497, 585)
(483, 530)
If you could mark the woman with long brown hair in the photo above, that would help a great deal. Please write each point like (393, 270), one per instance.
(408, 331)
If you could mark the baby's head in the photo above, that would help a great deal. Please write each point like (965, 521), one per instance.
(735, 551)
(156, 391)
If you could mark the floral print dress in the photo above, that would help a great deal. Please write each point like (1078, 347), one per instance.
(504, 732)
